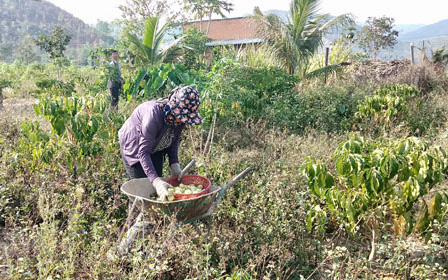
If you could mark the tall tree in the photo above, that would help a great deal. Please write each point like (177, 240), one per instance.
(54, 45)
(196, 7)
(26, 50)
(217, 7)
(195, 48)
(202, 8)
(136, 12)
(104, 27)
(297, 41)
(378, 33)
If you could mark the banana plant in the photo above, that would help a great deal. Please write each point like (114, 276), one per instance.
(150, 81)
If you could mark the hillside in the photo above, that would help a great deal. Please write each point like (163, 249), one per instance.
(406, 28)
(23, 20)
(428, 31)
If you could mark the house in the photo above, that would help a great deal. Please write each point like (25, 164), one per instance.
(238, 32)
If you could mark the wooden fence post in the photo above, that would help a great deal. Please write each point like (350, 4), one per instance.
(327, 53)
(412, 53)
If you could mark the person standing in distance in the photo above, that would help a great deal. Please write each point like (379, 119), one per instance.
(115, 81)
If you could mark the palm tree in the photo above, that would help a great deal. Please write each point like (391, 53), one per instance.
(149, 50)
(296, 42)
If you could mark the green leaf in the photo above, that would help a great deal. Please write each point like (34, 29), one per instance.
(340, 166)
(309, 219)
(329, 180)
(58, 125)
(150, 32)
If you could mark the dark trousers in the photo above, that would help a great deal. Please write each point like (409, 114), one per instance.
(114, 91)
(136, 171)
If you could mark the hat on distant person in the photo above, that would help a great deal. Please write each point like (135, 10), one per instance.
(184, 104)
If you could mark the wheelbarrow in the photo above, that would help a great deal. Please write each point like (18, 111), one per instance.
(142, 194)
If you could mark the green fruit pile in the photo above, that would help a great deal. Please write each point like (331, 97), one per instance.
(183, 189)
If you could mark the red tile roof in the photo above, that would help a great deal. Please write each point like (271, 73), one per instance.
(229, 28)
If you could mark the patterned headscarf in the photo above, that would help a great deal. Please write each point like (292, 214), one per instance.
(182, 104)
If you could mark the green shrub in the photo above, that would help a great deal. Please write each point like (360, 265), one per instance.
(429, 114)
(378, 180)
(400, 106)
(326, 109)
(55, 86)
(238, 93)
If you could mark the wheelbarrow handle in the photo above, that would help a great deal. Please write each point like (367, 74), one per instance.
(231, 183)
(185, 170)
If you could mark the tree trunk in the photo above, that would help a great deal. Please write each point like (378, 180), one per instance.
(208, 25)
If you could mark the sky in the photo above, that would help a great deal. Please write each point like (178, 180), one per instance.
(403, 11)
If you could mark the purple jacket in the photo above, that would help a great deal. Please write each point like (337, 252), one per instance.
(141, 133)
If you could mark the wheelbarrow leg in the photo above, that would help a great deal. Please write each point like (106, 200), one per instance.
(131, 234)
(126, 241)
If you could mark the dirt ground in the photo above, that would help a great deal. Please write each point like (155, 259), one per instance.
(18, 109)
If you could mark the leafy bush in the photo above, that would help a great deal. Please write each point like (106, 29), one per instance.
(376, 181)
(328, 109)
(195, 48)
(238, 93)
(387, 105)
(396, 106)
(55, 86)
(429, 115)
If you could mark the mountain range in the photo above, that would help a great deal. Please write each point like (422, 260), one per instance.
(23, 20)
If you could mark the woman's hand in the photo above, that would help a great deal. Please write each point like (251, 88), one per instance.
(161, 188)
(176, 171)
